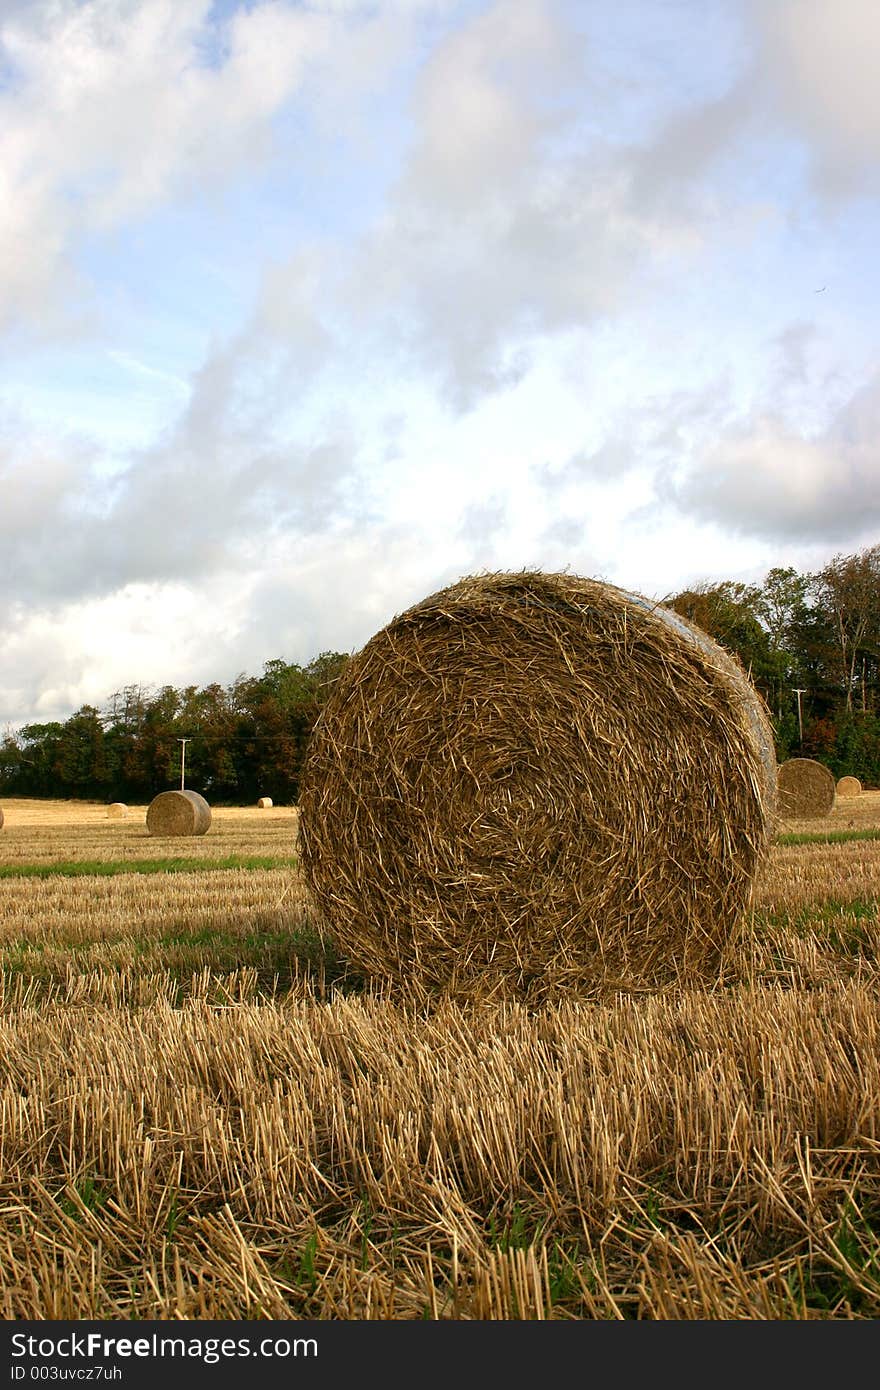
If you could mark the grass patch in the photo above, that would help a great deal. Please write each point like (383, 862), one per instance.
(89, 868)
(845, 926)
(86, 1194)
(825, 837)
(277, 958)
(824, 914)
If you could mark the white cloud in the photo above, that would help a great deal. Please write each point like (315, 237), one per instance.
(764, 477)
(820, 70)
(504, 224)
(114, 108)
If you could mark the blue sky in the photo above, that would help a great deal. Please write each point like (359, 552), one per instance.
(309, 309)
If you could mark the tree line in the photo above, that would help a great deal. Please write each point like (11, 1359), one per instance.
(809, 642)
(243, 740)
(811, 645)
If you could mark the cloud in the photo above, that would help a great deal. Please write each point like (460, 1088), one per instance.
(764, 477)
(111, 110)
(483, 523)
(819, 67)
(287, 597)
(793, 345)
(332, 593)
(670, 176)
(505, 224)
(36, 483)
(60, 659)
(188, 507)
(612, 459)
(793, 461)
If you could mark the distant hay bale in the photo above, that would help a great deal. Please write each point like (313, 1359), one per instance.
(264, 803)
(178, 813)
(849, 786)
(1, 817)
(806, 789)
(532, 782)
(117, 810)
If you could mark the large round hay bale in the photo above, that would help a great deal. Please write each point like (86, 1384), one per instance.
(530, 782)
(178, 813)
(117, 810)
(849, 786)
(806, 789)
(264, 803)
(1, 817)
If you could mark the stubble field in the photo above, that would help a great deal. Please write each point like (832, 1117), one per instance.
(205, 1114)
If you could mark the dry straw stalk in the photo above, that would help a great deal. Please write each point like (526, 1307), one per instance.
(178, 813)
(806, 789)
(535, 782)
(849, 786)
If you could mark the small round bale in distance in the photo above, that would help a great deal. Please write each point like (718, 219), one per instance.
(117, 810)
(849, 786)
(529, 783)
(264, 803)
(806, 789)
(178, 813)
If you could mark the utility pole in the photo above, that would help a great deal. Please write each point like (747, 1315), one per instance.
(183, 742)
(799, 693)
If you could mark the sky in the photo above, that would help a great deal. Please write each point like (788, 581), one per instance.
(308, 310)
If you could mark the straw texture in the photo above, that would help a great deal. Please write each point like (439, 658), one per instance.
(806, 789)
(532, 782)
(178, 813)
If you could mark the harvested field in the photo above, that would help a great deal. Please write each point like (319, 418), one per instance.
(48, 926)
(204, 1116)
(50, 832)
(850, 813)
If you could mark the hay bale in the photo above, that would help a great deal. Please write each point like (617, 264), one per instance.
(849, 786)
(806, 789)
(531, 782)
(1, 817)
(117, 810)
(178, 813)
(264, 802)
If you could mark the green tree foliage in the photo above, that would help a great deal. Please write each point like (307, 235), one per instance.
(814, 633)
(80, 763)
(730, 613)
(29, 759)
(847, 595)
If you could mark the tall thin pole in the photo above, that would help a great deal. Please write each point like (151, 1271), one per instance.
(799, 693)
(183, 742)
